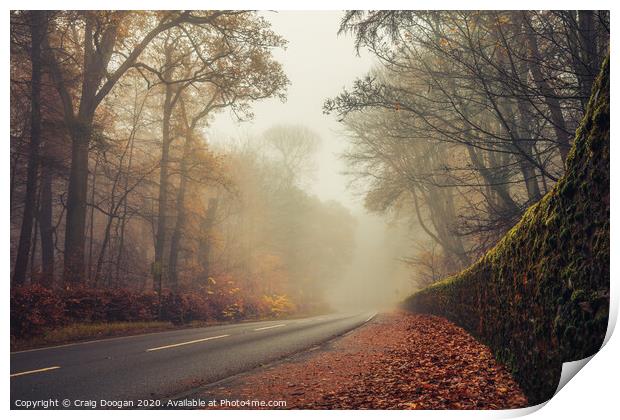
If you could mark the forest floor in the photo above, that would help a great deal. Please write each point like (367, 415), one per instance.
(398, 360)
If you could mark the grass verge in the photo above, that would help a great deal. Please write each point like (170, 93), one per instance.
(74, 333)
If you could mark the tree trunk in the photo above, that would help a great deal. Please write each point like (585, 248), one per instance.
(46, 226)
(439, 237)
(121, 247)
(499, 188)
(562, 134)
(104, 247)
(582, 43)
(443, 218)
(205, 239)
(158, 264)
(123, 218)
(15, 162)
(76, 207)
(181, 214)
(530, 177)
(33, 254)
(37, 30)
(91, 223)
(531, 181)
(588, 42)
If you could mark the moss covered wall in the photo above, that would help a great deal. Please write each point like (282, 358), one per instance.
(541, 296)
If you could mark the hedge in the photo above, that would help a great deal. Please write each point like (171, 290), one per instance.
(540, 297)
(36, 310)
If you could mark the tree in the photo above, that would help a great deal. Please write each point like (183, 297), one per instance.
(232, 67)
(469, 115)
(102, 37)
(294, 147)
(37, 21)
(269, 234)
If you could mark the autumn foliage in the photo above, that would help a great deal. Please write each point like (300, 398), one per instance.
(126, 207)
(399, 361)
(35, 309)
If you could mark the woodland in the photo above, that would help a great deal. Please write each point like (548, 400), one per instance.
(123, 208)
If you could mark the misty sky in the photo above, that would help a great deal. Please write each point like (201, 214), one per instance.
(319, 64)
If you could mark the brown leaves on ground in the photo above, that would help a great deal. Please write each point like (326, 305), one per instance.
(397, 361)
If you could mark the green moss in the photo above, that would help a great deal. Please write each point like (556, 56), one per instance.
(567, 189)
(561, 247)
(602, 314)
(579, 295)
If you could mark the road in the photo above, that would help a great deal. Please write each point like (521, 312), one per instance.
(160, 365)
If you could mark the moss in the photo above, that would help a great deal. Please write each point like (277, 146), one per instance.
(567, 189)
(579, 295)
(561, 248)
(602, 314)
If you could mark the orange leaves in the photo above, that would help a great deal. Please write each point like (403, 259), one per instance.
(279, 305)
(35, 310)
(398, 361)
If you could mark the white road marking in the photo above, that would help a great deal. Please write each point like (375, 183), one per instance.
(187, 342)
(35, 371)
(271, 326)
(370, 317)
(79, 343)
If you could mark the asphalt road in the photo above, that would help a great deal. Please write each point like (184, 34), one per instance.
(161, 365)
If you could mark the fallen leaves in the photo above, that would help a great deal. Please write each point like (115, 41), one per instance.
(398, 361)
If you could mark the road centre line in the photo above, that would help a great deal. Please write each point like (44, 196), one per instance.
(79, 343)
(187, 342)
(103, 340)
(269, 327)
(28, 372)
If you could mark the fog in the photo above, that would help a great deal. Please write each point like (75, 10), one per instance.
(319, 64)
(253, 164)
(376, 278)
